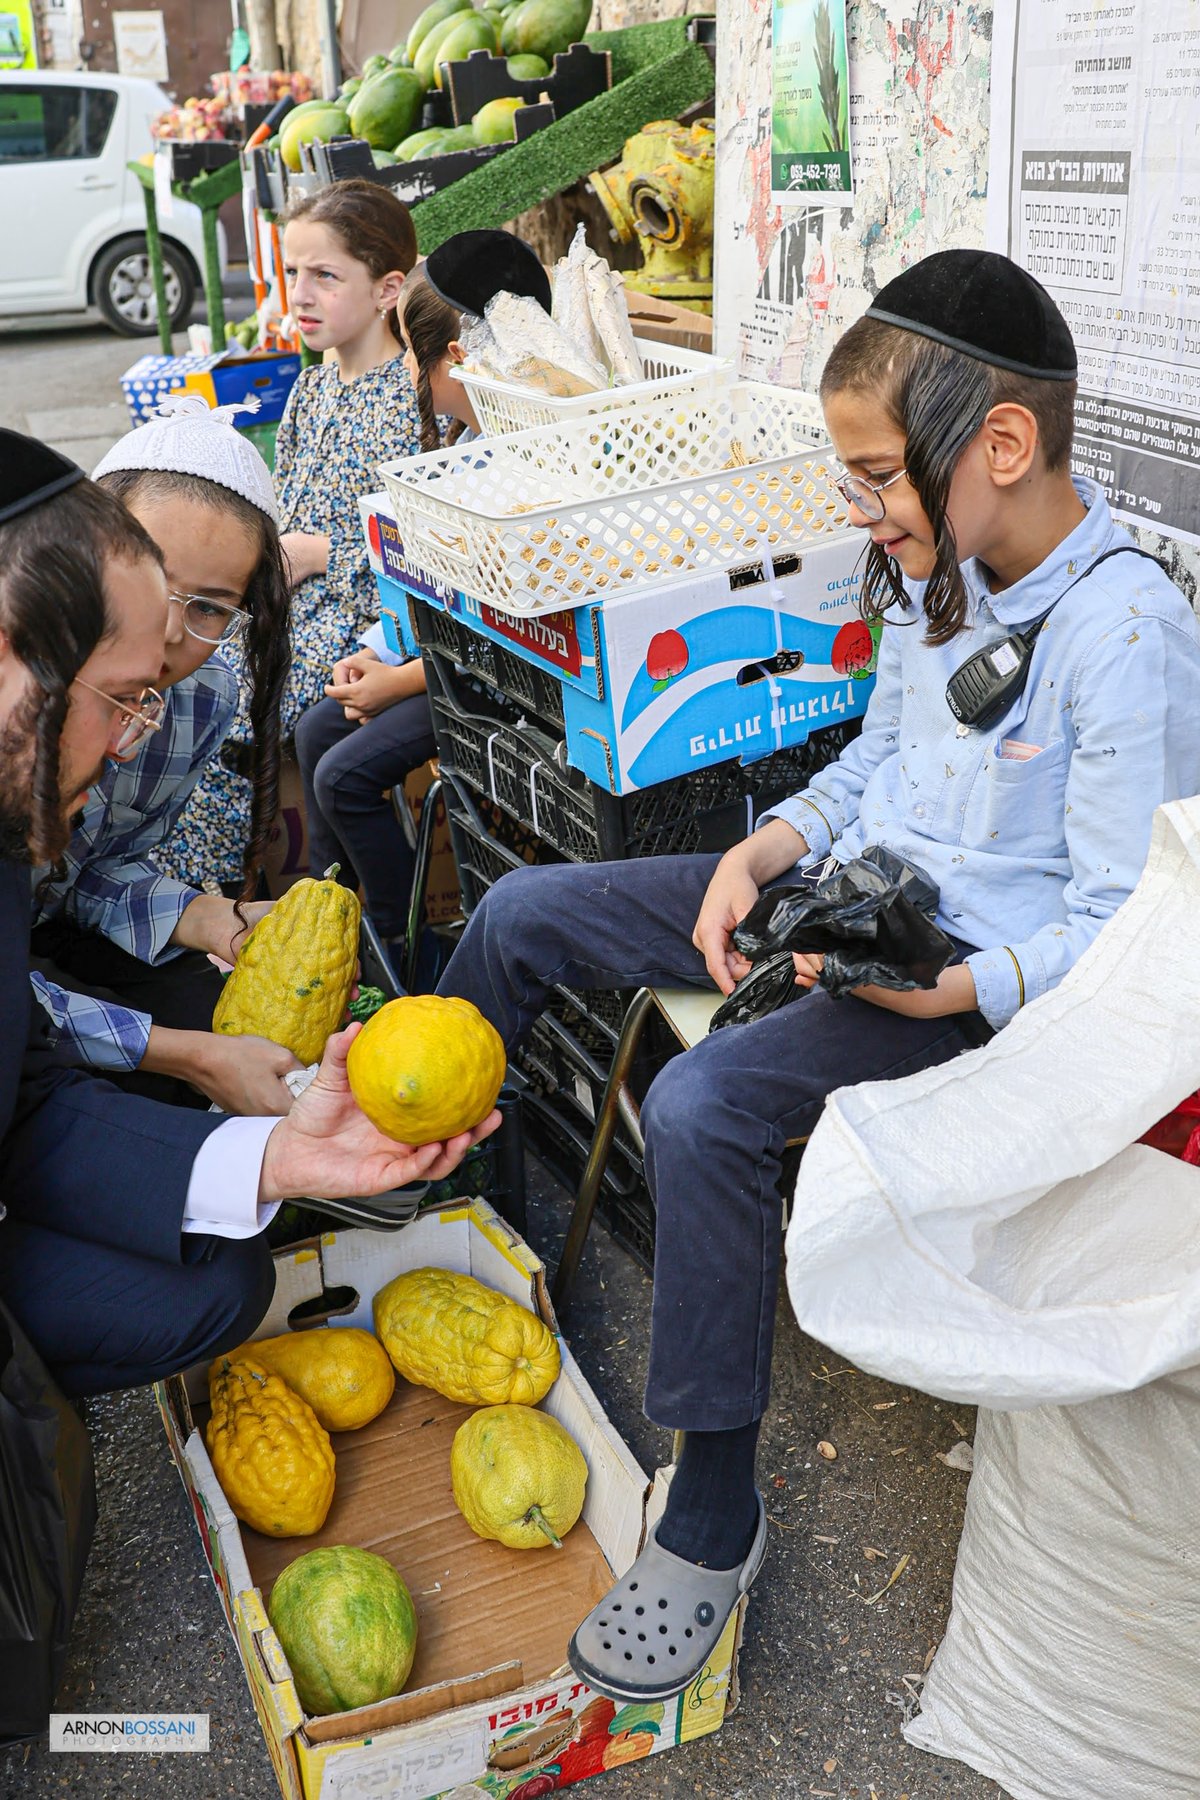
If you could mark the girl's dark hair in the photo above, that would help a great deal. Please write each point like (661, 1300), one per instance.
(939, 399)
(369, 222)
(428, 325)
(268, 652)
(53, 612)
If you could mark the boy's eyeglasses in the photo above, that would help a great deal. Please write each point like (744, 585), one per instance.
(856, 491)
(212, 621)
(132, 722)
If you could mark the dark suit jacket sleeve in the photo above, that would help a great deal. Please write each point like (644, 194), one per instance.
(76, 1154)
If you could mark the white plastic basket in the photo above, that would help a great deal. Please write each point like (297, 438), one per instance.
(539, 521)
(505, 406)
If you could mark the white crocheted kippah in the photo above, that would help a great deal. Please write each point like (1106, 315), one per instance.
(188, 437)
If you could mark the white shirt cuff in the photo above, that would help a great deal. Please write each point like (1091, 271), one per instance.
(222, 1197)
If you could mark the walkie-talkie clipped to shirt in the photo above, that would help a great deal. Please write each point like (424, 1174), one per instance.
(983, 688)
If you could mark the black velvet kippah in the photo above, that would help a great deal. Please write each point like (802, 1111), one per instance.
(473, 267)
(984, 305)
(31, 472)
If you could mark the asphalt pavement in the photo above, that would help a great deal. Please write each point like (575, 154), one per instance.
(829, 1672)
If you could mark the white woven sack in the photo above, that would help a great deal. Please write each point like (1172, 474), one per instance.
(981, 1230)
(1070, 1669)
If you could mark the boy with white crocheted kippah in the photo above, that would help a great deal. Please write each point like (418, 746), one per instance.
(121, 950)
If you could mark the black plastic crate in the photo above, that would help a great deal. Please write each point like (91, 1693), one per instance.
(524, 770)
(560, 1144)
(520, 681)
(487, 845)
(486, 841)
(566, 1081)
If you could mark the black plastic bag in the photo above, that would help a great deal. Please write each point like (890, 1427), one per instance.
(47, 1517)
(872, 919)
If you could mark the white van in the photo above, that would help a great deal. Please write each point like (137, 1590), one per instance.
(72, 216)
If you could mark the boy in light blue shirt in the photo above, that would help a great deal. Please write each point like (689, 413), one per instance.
(1027, 796)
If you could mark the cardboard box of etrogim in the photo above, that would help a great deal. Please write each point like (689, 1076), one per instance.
(491, 1707)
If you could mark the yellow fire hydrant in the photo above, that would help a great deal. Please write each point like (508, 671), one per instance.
(661, 192)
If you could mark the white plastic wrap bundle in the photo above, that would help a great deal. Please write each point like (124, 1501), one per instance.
(986, 1232)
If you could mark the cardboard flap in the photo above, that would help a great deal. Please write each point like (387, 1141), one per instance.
(443, 1697)
(614, 1504)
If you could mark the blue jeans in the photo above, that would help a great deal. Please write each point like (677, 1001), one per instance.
(716, 1120)
(345, 769)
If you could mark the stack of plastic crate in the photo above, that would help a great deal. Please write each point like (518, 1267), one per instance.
(511, 799)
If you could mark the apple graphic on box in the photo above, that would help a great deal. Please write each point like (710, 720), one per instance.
(853, 649)
(666, 658)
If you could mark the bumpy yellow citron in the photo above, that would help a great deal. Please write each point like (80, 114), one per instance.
(424, 1069)
(269, 1451)
(293, 977)
(518, 1476)
(451, 1333)
(344, 1374)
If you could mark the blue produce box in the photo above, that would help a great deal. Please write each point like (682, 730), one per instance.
(224, 379)
(147, 384)
(678, 676)
(393, 579)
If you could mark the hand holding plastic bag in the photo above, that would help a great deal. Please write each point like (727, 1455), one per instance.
(871, 919)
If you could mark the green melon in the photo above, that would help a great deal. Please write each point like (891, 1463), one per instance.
(374, 65)
(494, 123)
(544, 27)
(462, 137)
(474, 31)
(425, 22)
(418, 144)
(399, 58)
(383, 159)
(348, 1628)
(528, 68)
(305, 107)
(388, 108)
(348, 90)
(325, 123)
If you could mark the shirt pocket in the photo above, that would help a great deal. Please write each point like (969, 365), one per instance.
(1022, 803)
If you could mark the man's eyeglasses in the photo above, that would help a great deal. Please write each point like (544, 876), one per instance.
(212, 621)
(132, 721)
(856, 491)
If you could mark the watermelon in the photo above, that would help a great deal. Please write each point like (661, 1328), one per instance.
(387, 108)
(348, 1628)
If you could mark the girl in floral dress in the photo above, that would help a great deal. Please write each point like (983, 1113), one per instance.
(347, 250)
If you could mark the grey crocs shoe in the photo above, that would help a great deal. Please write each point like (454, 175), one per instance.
(654, 1631)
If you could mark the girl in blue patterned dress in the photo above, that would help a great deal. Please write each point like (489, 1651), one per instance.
(347, 250)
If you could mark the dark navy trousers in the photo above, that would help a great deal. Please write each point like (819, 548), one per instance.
(716, 1120)
(103, 1317)
(345, 768)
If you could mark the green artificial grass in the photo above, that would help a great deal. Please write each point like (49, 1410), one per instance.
(657, 74)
